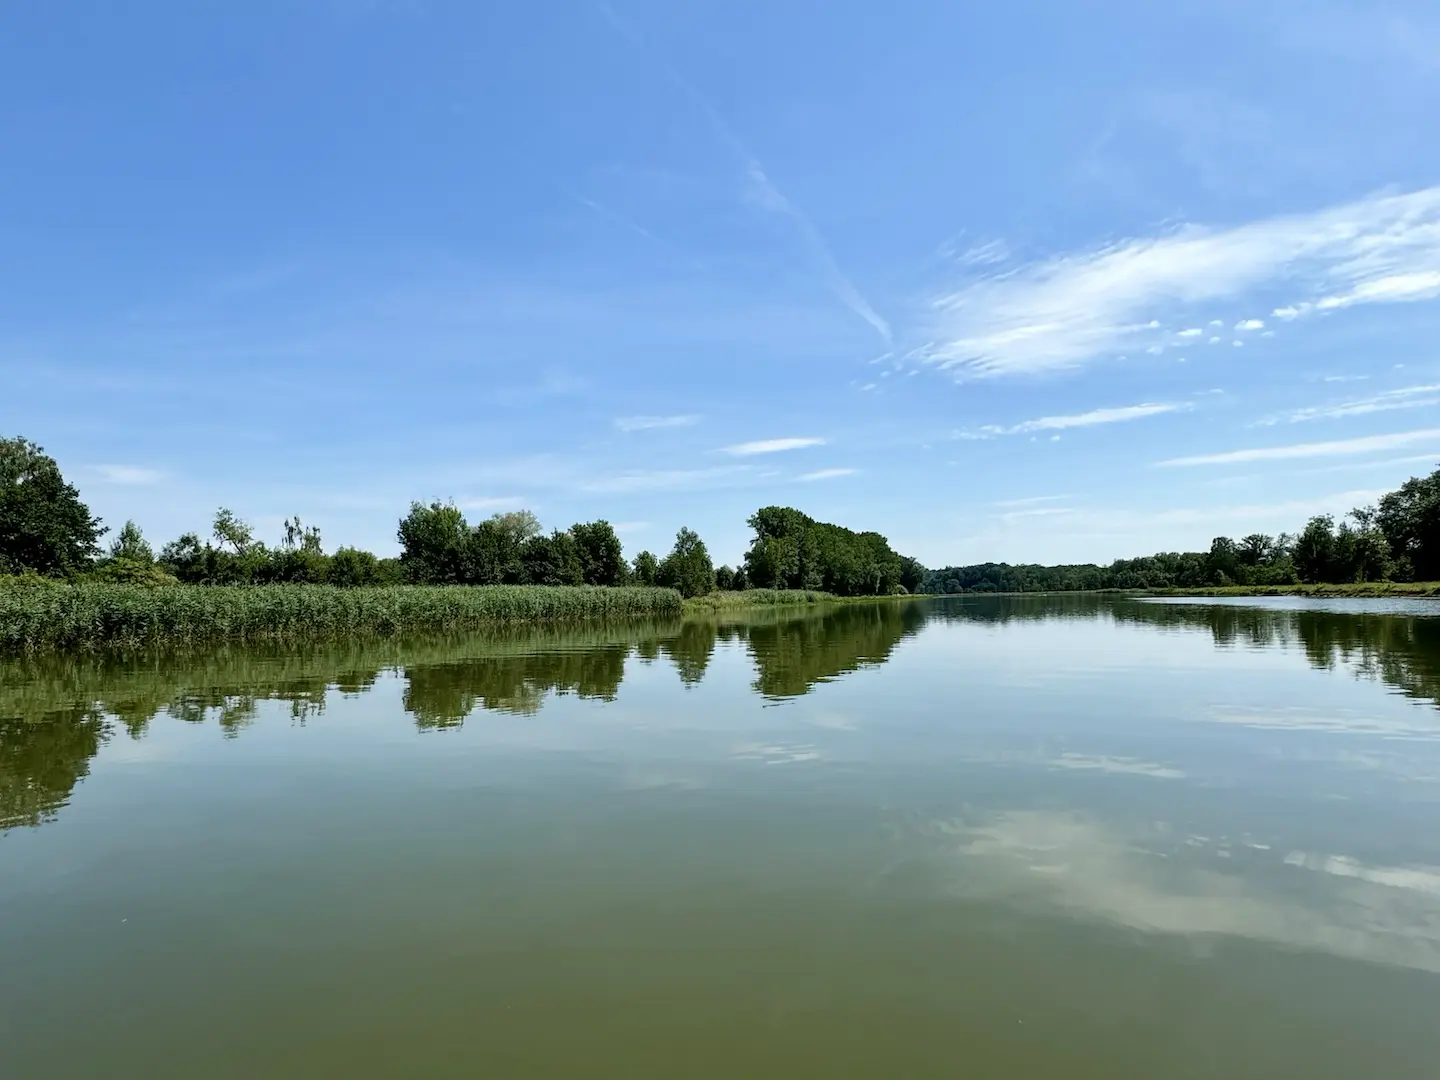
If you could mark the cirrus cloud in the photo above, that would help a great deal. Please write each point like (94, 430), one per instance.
(655, 423)
(1077, 307)
(1092, 418)
(1339, 448)
(771, 446)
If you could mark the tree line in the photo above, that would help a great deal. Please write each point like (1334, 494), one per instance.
(1397, 539)
(47, 530)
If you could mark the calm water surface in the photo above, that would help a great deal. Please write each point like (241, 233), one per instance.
(1066, 837)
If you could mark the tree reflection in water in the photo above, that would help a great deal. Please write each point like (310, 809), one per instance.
(56, 713)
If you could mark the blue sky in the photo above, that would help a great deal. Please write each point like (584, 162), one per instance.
(1032, 281)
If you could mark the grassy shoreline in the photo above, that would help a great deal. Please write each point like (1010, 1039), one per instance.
(89, 617)
(1360, 589)
(39, 617)
(765, 598)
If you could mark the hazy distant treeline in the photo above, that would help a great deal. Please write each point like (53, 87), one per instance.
(1398, 539)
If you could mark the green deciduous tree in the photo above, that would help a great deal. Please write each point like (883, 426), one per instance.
(551, 560)
(601, 556)
(352, 567)
(130, 544)
(434, 544)
(130, 561)
(229, 529)
(646, 569)
(793, 551)
(1314, 553)
(44, 527)
(688, 568)
(1254, 549)
(1410, 519)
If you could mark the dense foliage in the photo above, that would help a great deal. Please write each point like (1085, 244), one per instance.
(793, 551)
(44, 527)
(46, 530)
(687, 568)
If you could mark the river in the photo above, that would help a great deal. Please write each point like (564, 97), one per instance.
(981, 837)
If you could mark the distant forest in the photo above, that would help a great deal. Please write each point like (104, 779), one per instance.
(1398, 539)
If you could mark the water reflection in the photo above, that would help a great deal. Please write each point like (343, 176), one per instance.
(40, 763)
(1398, 644)
(55, 713)
(607, 832)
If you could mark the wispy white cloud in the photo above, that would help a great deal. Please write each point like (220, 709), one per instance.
(1037, 511)
(1397, 288)
(771, 446)
(1081, 306)
(1192, 332)
(667, 479)
(1382, 463)
(987, 254)
(128, 474)
(1408, 397)
(655, 423)
(1118, 415)
(1250, 324)
(827, 474)
(1034, 500)
(1341, 448)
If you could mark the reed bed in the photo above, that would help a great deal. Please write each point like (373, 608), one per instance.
(92, 617)
(755, 598)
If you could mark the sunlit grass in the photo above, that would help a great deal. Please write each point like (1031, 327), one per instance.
(62, 617)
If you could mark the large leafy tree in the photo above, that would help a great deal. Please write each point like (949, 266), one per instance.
(601, 555)
(44, 527)
(434, 544)
(1315, 549)
(551, 560)
(793, 551)
(646, 569)
(688, 567)
(1410, 519)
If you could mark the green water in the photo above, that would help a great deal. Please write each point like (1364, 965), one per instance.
(1069, 837)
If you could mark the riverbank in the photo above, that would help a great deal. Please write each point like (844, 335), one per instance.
(1359, 589)
(57, 617)
(38, 616)
(752, 599)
